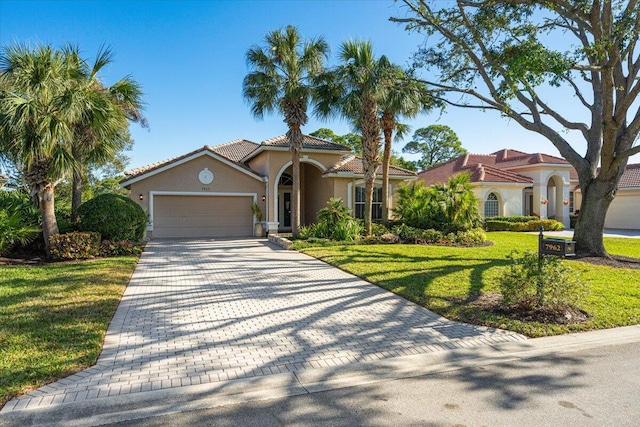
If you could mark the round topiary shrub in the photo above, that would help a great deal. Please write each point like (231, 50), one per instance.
(115, 217)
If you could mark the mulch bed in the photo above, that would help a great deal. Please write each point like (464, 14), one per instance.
(614, 261)
(492, 302)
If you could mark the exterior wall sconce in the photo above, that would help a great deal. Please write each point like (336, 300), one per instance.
(264, 198)
(544, 201)
(565, 202)
(141, 196)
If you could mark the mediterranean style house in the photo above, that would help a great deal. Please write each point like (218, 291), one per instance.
(510, 182)
(209, 192)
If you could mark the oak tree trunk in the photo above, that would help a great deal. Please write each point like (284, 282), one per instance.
(596, 198)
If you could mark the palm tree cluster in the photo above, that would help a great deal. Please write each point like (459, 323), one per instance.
(288, 75)
(57, 118)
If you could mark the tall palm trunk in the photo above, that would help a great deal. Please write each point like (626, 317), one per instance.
(42, 192)
(370, 154)
(76, 185)
(388, 123)
(295, 117)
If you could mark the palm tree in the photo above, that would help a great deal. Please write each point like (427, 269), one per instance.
(281, 80)
(458, 203)
(102, 130)
(403, 97)
(37, 108)
(352, 90)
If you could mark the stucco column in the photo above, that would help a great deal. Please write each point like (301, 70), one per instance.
(539, 194)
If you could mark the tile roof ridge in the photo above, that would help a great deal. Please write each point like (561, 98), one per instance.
(235, 141)
(275, 138)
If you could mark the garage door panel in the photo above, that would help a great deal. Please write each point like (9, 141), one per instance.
(202, 216)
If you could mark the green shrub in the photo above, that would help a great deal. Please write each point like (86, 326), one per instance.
(109, 248)
(546, 284)
(76, 245)
(335, 222)
(19, 220)
(378, 229)
(407, 233)
(115, 217)
(431, 236)
(532, 225)
(473, 237)
(515, 218)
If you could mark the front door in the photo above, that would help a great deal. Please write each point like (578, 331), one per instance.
(284, 207)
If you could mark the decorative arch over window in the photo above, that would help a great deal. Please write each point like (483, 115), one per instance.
(286, 179)
(491, 207)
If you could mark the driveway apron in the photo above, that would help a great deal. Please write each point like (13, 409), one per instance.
(206, 311)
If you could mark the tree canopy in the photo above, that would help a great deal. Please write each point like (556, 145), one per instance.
(436, 144)
(527, 59)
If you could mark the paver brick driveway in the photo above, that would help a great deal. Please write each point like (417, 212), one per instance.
(203, 311)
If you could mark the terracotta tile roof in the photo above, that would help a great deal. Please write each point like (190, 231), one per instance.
(631, 177)
(514, 158)
(236, 150)
(310, 142)
(353, 164)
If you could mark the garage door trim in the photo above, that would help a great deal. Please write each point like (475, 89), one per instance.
(254, 197)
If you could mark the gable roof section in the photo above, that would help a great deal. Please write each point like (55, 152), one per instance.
(631, 177)
(310, 143)
(352, 165)
(236, 150)
(143, 172)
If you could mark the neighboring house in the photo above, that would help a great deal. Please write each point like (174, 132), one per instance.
(510, 182)
(3, 180)
(208, 192)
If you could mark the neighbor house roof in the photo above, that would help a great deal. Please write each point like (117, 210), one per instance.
(353, 164)
(631, 177)
(500, 166)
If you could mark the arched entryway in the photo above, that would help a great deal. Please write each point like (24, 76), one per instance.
(315, 191)
(555, 201)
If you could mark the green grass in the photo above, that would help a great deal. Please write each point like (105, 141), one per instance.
(445, 279)
(53, 319)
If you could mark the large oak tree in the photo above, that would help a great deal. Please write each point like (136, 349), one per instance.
(520, 57)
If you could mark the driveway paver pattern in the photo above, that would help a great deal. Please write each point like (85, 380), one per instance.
(204, 311)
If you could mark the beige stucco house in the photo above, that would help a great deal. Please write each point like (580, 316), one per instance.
(209, 192)
(510, 182)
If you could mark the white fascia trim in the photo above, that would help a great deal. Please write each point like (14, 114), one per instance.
(304, 150)
(538, 166)
(193, 193)
(361, 176)
(187, 159)
(485, 184)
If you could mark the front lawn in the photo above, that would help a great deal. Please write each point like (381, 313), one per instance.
(53, 319)
(447, 280)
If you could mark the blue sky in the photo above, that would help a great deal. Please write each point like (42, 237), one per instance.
(189, 57)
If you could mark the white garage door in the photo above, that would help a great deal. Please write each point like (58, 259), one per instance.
(202, 216)
(623, 212)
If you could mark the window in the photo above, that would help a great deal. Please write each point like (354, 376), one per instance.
(286, 179)
(571, 201)
(491, 206)
(376, 206)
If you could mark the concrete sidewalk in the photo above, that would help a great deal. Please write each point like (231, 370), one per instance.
(225, 316)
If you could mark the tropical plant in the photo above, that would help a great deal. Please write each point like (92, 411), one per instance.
(546, 284)
(255, 209)
(415, 205)
(335, 222)
(458, 204)
(103, 129)
(282, 81)
(403, 97)
(504, 56)
(436, 144)
(14, 229)
(115, 217)
(37, 110)
(352, 90)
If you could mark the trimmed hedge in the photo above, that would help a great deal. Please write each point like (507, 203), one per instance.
(513, 218)
(533, 225)
(75, 245)
(114, 216)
